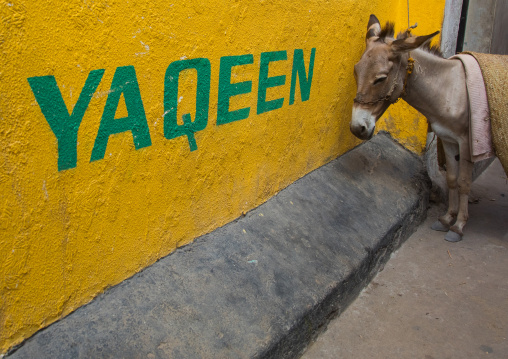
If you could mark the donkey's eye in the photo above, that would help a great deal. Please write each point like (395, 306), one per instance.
(379, 80)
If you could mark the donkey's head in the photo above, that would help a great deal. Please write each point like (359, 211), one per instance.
(381, 74)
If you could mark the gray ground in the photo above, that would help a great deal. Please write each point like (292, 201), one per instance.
(435, 299)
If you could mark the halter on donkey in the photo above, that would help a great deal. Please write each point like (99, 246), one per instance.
(434, 86)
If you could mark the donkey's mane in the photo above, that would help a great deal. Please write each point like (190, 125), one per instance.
(388, 32)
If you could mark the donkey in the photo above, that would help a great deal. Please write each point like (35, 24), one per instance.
(408, 68)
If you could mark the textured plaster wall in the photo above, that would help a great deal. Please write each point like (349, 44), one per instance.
(102, 170)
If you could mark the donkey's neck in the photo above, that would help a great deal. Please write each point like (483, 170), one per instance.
(437, 88)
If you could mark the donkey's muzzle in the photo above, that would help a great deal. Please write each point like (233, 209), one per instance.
(361, 132)
(362, 124)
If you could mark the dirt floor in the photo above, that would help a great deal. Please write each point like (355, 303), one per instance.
(435, 299)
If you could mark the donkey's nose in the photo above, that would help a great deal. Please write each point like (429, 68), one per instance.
(362, 123)
(361, 131)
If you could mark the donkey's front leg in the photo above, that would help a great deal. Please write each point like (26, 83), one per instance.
(452, 169)
(464, 187)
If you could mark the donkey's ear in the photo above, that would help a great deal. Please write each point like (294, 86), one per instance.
(411, 43)
(373, 28)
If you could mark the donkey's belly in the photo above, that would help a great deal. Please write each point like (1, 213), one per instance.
(444, 133)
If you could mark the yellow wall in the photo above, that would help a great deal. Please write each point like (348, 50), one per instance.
(71, 226)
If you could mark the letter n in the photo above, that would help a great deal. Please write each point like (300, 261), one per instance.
(299, 69)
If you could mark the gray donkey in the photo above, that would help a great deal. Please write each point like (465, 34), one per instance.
(408, 68)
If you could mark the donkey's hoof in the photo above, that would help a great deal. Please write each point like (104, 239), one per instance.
(438, 226)
(452, 236)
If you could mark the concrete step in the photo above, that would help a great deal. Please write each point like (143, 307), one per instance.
(264, 285)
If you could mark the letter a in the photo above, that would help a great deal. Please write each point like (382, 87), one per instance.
(124, 81)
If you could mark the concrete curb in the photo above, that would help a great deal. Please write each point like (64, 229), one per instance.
(264, 285)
